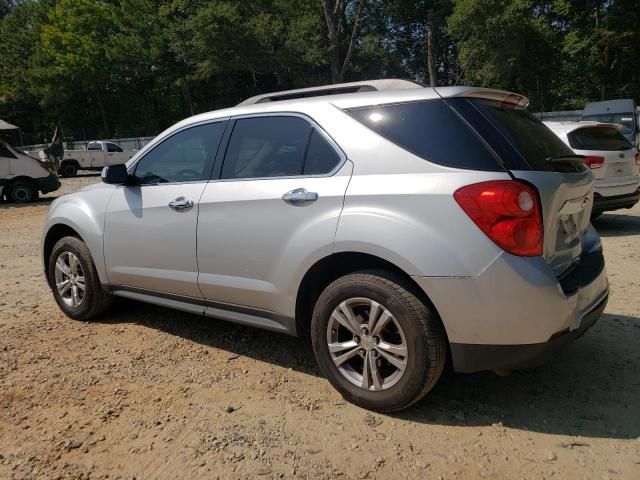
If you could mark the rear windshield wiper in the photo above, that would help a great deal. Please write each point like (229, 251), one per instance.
(573, 158)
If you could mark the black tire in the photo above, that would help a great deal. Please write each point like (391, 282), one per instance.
(426, 340)
(95, 300)
(596, 215)
(68, 169)
(22, 191)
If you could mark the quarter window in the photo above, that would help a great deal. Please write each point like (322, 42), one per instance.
(431, 130)
(183, 157)
(266, 147)
(321, 157)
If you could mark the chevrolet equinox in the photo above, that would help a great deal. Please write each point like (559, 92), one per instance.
(401, 227)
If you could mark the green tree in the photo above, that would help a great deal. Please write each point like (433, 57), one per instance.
(73, 55)
(506, 44)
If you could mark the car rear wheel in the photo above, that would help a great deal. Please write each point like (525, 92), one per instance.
(377, 343)
(74, 280)
(68, 169)
(22, 191)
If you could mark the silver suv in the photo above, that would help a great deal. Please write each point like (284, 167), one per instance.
(401, 227)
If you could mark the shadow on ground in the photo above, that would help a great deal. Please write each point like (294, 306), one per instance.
(615, 225)
(4, 205)
(592, 389)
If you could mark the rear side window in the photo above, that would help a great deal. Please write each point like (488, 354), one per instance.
(431, 130)
(94, 146)
(521, 140)
(598, 138)
(266, 147)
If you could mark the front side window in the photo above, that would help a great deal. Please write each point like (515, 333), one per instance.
(269, 146)
(183, 157)
(112, 147)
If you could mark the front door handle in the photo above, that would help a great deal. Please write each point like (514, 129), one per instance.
(181, 203)
(300, 197)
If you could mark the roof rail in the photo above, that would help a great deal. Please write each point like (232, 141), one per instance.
(335, 89)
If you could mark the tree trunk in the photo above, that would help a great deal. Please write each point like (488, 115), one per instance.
(431, 55)
(334, 11)
(354, 33)
(105, 123)
(187, 97)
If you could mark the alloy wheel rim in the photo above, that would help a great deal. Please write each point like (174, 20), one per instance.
(70, 281)
(367, 344)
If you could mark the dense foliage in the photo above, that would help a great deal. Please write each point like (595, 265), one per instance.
(104, 68)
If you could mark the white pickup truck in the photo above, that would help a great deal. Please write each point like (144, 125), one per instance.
(97, 155)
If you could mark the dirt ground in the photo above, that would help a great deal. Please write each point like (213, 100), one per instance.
(152, 393)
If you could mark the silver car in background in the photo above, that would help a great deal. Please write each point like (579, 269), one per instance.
(401, 227)
(614, 161)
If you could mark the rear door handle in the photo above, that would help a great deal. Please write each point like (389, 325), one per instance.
(181, 203)
(299, 197)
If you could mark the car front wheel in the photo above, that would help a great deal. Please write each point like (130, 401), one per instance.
(74, 280)
(377, 343)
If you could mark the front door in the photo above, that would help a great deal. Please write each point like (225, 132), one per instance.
(150, 228)
(270, 214)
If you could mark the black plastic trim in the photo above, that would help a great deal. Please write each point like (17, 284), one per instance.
(48, 184)
(586, 271)
(469, 358)
(604, 204)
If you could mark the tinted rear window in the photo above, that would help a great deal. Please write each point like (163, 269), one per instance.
(518, 133)
(598, 138)
(431, 130)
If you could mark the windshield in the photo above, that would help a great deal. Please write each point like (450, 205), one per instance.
(624, 119)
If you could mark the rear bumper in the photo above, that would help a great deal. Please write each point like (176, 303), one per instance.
(605, 204)
(469, 358)
(516, 311)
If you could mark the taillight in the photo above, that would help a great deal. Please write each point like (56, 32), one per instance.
(637, 158)
(594, 161)
(508, 212)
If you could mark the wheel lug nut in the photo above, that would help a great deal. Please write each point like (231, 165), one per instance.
(356, 339)
(377, 340)
(375, 353)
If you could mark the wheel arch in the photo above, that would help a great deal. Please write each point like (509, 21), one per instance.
(55, 233)
(336, 265)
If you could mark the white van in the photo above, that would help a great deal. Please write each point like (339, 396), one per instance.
(23, 178)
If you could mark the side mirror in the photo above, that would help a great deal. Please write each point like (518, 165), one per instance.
(116, 174)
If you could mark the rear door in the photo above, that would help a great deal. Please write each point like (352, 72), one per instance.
(526, 146)
(270, 212)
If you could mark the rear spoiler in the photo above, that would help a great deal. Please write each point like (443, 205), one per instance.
(501, 96)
